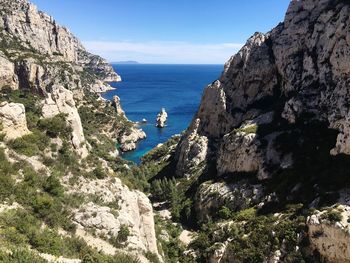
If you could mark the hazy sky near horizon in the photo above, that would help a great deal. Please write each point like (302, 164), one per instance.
(165, 31)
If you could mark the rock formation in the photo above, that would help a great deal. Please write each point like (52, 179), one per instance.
(161, 118)
(299, 65)
(48, 80)
(277, 118)
(13, 119)
(116, 104)
(134, 211)
(129, 139)
(328, 237)
(60, 100)
(7, 73)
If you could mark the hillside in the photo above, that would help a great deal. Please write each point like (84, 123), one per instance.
(63, 187)
(262, 172)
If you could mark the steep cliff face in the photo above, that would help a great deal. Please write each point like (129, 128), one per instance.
(300, 65)
(278, 118)
(26, 29)
(298, 69)
(58, 157)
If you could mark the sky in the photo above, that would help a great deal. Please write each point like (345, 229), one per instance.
(165, 31)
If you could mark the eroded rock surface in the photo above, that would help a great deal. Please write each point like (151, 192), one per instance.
(132, 209)
(13, 120)
(61, 101)
(300, 64)
(129, 139)
(161, 118)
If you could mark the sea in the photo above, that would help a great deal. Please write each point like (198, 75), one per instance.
(147, 88)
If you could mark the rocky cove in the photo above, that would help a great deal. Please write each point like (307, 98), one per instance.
(146, 88)
(261, 174)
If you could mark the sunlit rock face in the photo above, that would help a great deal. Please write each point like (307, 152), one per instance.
(298, 69)
(281, 102)
(13, 120)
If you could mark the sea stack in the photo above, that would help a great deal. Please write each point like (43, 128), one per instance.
(161, 118)
(116, 104)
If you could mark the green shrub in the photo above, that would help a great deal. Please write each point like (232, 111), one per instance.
(246, 214)
(55, 126)
(47, 241)
(152, 257)
(122, 236)
(30, 144)
(333, 216)
(53, 186)
(123, 233)
(99, 172)
(224, 213)
(6, 181)
(66, 156)
(21, 256)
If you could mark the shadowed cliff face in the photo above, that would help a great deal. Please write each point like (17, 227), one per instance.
(273, 131)
(298, 69)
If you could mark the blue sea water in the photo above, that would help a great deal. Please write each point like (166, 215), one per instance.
(147, 88)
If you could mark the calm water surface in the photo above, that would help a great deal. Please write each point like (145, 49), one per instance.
(145, 89)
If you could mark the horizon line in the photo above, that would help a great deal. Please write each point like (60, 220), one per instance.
(141, 63)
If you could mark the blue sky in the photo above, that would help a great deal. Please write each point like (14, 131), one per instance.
(165, 31)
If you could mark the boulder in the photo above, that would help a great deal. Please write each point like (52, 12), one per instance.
(13, 119)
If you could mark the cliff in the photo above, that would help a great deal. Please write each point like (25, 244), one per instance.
(270, 143)
(63, 186)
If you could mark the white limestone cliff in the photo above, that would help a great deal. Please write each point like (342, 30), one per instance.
(60, 100)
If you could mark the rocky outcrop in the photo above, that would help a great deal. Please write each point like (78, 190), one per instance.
(297, 69)
(211, 197)
(161, 118)
(118, 107)
(8, 78)
(279, 116)
(130, 137)
(55, 76)
(38, 30)
(13, 120)
(31, 31)
(132, 209)
(192, 150)
(99, 65)
(60, 100)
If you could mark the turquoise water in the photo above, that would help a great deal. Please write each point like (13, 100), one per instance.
(145, 89)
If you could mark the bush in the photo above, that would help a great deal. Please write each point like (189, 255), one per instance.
(6, 181)
(121, 237)
(224, 213)
(53, 186)
(55, 126)
(153, 258)
(333, 216)
(21, 256)
(99, 172)
(123, 233)
(30, 144)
